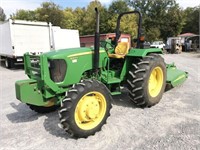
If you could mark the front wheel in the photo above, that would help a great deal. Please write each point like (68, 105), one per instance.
(85, 108)
(147, 80)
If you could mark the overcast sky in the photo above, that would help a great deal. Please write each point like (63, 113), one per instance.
(10, 6)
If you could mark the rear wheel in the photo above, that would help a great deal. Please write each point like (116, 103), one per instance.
(9, 63)
(85, 108)
(147, 80)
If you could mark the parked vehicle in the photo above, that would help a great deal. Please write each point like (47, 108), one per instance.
(19, 37)
(83, 80)
(157, 44)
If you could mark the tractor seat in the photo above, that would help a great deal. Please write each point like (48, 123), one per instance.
(121, 50)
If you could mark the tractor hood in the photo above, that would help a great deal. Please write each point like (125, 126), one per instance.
(72, 52)
(66, 66)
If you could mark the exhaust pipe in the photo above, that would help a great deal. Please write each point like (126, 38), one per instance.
(96, 43)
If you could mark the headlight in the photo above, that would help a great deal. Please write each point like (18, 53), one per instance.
(57, 69)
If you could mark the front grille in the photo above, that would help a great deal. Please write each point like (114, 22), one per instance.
(32, 65)
(57, 69)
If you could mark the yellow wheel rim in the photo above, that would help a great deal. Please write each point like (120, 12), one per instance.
(90, 110)
(155, 82)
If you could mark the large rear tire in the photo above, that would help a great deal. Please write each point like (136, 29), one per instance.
(85, 108)
(147, 80)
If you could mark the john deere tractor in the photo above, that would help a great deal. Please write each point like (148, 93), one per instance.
(82, 81)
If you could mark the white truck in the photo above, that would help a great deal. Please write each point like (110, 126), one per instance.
(18, 37)
(157, 44)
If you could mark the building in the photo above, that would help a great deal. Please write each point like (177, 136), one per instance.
(88, 40)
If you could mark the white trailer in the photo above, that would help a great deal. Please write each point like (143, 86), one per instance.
(18, 37)
(65, 38)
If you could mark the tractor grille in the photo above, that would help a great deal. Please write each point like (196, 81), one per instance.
(57, 69)
(32, 66)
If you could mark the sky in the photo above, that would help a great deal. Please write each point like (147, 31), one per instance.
(10, 6)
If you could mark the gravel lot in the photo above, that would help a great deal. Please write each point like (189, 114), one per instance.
(174, 123)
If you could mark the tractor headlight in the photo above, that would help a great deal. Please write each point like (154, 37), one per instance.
(57, 69)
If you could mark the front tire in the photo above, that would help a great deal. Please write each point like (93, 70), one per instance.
(85, 108)
(147, 80)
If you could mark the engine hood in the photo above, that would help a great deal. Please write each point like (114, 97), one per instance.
(72, 52)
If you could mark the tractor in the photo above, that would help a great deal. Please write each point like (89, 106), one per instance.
(82, 81)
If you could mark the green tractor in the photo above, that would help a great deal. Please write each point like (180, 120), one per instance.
(82, 80)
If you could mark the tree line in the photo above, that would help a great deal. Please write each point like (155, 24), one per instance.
(161, 18)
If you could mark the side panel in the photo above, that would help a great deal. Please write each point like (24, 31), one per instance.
(65, 38)
(30, 38)
(143, 52)
(5, 39)
(77, 65)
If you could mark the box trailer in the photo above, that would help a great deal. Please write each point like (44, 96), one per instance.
(65, 38)
(18, 37)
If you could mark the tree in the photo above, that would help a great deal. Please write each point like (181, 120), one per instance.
(79, 14)
(118, 7)
(88, 21)
(2, 15)
(24, 15)
(163, 15)
(128, 22)
(191, 20)
(50, 12)
(69, 18)
(152, 34)
(173, 22)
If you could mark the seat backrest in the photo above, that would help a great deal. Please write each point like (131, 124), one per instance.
(122, 48)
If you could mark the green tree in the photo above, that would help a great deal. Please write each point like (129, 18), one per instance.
(2, 14)
(69, 18)
(50, 12)
(73, 19)
(24, 15)
(191, 20)
(163, 15)
(118, 7)
(173, 22)
(79, 14)
(88, 21)
(152, 34)
(128, 22)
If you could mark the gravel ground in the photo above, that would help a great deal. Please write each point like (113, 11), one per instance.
(174, 123)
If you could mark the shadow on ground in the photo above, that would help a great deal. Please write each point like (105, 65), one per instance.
(51, 125)
(22, 114)
(123, 100)
(25, 114)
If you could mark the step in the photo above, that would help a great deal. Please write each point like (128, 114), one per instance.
(111, 80)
